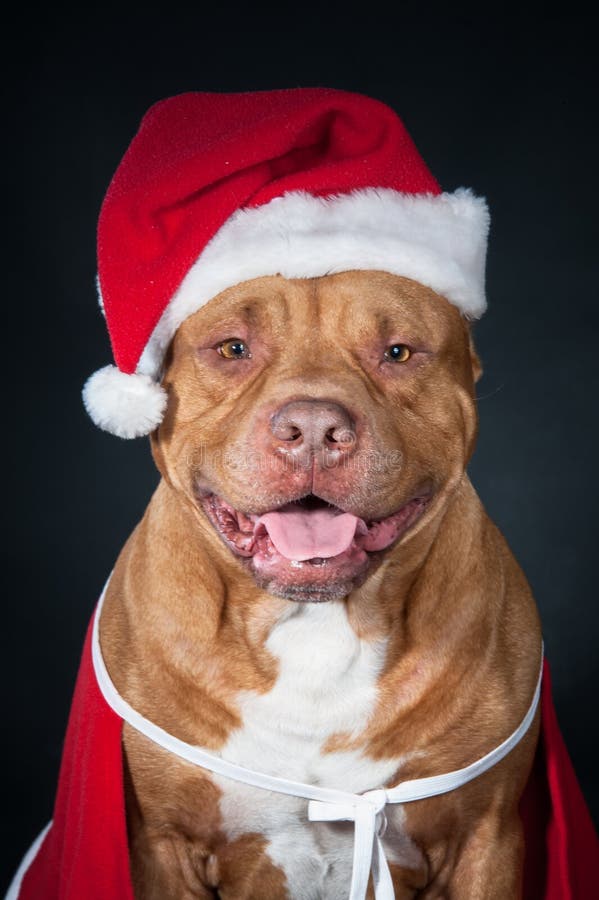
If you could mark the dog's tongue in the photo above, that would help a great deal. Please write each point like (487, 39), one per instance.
(307, 533)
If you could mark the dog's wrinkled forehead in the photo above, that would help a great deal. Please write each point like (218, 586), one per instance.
(351, 307)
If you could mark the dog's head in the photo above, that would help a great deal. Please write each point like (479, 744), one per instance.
(316, 424)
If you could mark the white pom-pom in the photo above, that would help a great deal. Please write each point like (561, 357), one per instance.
(126, 405)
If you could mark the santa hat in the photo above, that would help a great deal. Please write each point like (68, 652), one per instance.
(216, 189)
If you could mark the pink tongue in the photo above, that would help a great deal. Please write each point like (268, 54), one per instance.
(303, 534)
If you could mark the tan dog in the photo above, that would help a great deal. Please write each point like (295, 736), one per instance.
(411, 652)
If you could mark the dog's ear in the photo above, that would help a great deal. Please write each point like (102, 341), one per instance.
(477, 368)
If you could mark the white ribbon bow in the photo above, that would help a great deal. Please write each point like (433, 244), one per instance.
(368, 813)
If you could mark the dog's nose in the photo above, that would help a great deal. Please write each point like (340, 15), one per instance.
(305, 429)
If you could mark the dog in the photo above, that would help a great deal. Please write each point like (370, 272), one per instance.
(316, 662)
(365, 668)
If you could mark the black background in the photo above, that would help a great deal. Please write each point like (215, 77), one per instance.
(502, 103)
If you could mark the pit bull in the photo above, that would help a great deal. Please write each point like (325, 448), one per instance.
(316, 591)
(315, 670)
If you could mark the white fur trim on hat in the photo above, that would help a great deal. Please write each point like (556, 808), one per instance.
(126, 405)
(438, 240)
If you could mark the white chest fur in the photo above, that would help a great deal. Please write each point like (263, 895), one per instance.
(327, 684)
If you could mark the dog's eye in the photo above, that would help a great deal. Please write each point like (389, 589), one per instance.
(234, 348)
(398, 353)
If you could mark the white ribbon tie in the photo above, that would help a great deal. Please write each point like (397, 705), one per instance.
(367, 811)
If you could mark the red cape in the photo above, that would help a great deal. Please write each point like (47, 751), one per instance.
(85, 854)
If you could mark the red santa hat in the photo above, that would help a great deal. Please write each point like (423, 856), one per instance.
(216, 189)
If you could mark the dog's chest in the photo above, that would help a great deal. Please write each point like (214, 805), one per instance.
(327, 685)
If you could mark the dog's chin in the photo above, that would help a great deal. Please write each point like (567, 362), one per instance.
(310, 593)
(313, 580)
(331, 576)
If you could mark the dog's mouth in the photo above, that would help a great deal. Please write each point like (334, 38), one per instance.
(309, 545)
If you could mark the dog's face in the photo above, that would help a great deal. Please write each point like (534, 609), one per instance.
(317, 423)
